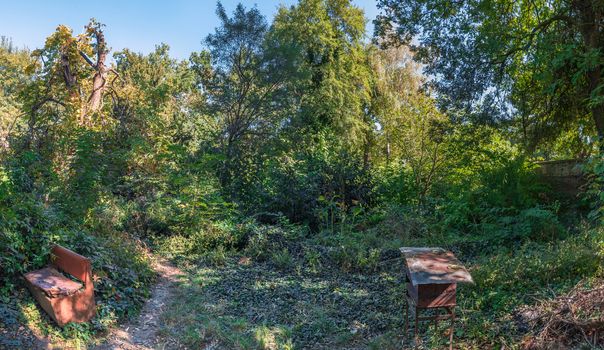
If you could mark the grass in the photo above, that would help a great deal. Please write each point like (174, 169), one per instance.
(345, 291)
(285, 288)
(513, 278)
(262, 306)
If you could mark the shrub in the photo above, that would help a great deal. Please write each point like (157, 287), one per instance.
(523, 275)
(294, 183)
(503, 279)
(493, 189)
(216, 256)
(212, 236)
(313, 260)
(357, 251)
(31, 224)
(263, 241)
(25, 236)
(594, 188)
(540, 224)
(259, 245)
(394, 184)
(122, 269)
(282, 259)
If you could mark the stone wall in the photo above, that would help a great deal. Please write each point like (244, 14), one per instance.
(565, 176)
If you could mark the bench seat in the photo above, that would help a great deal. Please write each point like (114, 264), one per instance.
(53, 283)
(65, 299)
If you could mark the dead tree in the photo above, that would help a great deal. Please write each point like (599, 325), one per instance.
(94, 101)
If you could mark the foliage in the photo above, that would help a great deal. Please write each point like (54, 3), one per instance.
(72, 178)
(318, 148)
(535, 63)
(337, 274)
(511, 278)
(412, 132)
(121, 269)
(13, 75)
(594, 193)
(289, 306)
(285, 163)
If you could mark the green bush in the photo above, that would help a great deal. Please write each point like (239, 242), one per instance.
(282, 259)
(515, 276)
(356, 251)
(313, 260)
(30, 224)
(216, 257)
(394, 184)
(24, 233)
(213, 241)
(299, 184)
(510, 185)
(540, 224)
(260, 243)
(214, 235)
(122, 269)
(594, 188)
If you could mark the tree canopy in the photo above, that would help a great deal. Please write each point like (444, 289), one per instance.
(534, 64)
(286, 161)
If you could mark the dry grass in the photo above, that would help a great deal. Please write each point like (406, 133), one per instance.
(573, 320)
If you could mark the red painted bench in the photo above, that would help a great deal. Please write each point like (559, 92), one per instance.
(64, 299)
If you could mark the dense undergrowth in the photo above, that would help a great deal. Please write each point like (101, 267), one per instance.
(281, 190)
(242, 293)
(285, 287)
(121, 265)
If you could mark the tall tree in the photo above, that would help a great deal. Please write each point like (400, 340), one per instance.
(411, 129)
(64, 116)
(323, 43)
(241, 95)
(326, 129)
(65, 87)
(540, 61)
(13, 77)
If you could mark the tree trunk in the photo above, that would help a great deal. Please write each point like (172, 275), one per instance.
(100, 77)
(366, 155)
(598, 115)
(590, 15)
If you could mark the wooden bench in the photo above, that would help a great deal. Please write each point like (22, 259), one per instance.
(64, 299)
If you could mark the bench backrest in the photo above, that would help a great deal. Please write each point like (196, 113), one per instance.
(72, 263)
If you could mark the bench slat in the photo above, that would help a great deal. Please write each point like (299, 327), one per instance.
(53, 283)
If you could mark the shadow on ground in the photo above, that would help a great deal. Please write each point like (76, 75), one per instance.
(16, 314)
(257, 305)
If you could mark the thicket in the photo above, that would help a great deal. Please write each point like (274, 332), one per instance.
(298, 124)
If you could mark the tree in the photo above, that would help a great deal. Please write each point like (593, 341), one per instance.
(13, 76)
(322, 41)
(64, 118)
(99, 80)
(325, 130)
(536, 63)
(241, 92)
(411, 130)
(64, 94)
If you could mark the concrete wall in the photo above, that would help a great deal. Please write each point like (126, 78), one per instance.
(565, 176)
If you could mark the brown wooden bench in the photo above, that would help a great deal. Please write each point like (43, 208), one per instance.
(64, 299)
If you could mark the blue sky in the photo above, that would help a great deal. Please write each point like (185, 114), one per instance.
(135, 24)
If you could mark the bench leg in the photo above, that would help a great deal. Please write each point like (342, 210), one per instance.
(451, 329)
(415, 331)
(407, 319)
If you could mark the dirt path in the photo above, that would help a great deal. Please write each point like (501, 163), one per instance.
(142, 333)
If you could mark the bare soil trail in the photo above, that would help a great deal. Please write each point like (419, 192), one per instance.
(142, 333)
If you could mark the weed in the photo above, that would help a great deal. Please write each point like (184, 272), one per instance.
(282, 259)
(313, 260)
